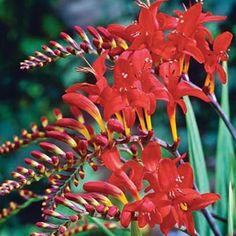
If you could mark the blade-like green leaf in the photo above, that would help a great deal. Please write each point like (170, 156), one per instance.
(101, 226)
(224, 159)
(197, 160)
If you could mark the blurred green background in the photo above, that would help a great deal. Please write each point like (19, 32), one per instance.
(27, 95)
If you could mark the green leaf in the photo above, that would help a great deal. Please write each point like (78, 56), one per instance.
(231, 206)
(197, 160)
(101, 226)
(224, 160)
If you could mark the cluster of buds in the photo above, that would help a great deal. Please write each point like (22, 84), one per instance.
(27, 137)
(102, 39)
(94, 204)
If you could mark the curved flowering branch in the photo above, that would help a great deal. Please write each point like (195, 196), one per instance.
(101, 39)
(28, 137)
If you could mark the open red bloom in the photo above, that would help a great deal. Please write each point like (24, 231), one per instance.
(135, 87)
(177, 89)
(127, 176)
(177, 184)
(147, 212)
(217, 55)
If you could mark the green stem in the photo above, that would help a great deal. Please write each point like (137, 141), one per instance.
(216, 106)
(21, 207)
(135, 230)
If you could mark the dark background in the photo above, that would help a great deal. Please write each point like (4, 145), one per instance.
(27, 95)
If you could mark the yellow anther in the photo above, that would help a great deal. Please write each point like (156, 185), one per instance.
(183, 206)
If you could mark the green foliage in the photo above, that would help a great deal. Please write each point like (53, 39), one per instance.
(225, 163)
(197, 160)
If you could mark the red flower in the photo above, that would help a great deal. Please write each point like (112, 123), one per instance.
(177, 89)
(135, 88)
(214, 57)
(147, 212)
(127, 176)
(177, 184)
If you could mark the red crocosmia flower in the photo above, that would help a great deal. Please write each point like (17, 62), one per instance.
(148, 32)
(183, 37)
(170, 73)
(126, 176)
(147, 22)
(182, 208)
(135, 87)
(215, 56)
(177, 184)
(147, 212)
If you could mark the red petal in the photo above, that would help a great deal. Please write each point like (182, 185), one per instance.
(167, 174)
(138, 98)
(135, 172)
(204, 200)
(130, 116)
(125, 218)
(85, 104)
(102, 187)
(185, 89)
(167, 223)
(111, 159)
(222, 42)
(189, 223)
(147, 20)
(182, 104)
(186, 175)
(151, 156)
(190, 20)
(112, 102)
(141, 61)
(99, 65)
(221, 73)
(194, 51)
(86, 87)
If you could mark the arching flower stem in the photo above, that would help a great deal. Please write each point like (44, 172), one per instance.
(216, 106)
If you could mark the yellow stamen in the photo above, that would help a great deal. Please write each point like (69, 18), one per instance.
(127, 130)
(186, 65)
(173, 127)
(209, 83)
(110, 135)
(81, 119)
(85, 133)
(148, 121)
(181, 63)
(141, 119)
(113, 43)
(122, 121)
(212, 86)
(123, 198)
(183, 206)
(119, 117)
(123, 44)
